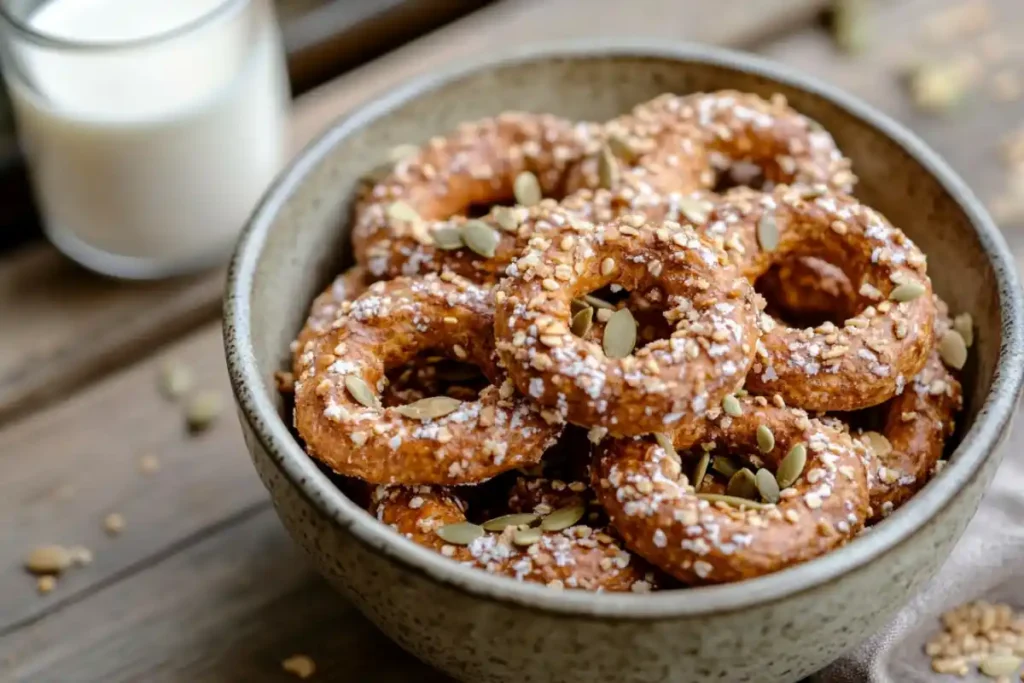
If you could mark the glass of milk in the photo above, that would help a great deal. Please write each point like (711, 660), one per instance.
(152, 127)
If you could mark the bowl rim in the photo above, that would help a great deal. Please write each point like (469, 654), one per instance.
(258, 411)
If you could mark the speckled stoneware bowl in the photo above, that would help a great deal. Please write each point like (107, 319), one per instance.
(479, 627)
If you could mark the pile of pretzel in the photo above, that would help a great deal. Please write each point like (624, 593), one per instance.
(581, 387)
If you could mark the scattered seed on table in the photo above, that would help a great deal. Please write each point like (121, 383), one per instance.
(113, 523)
(301, 666)
(202, 410)
(48, 559)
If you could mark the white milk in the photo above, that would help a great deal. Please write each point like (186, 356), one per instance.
(147, 158)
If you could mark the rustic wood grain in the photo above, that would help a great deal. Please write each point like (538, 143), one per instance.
(66, 468)
(228, 608)
(72, 326)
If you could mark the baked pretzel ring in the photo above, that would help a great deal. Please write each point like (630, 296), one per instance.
(870, 357)
(664, 386)
(652, 504)
(577, 557)
(917, 424)
(407, 222)
(338, 412)
(324, 311)
(743, 128)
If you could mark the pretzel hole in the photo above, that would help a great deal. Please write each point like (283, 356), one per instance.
(432, 373)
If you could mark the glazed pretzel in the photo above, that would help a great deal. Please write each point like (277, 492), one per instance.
(337, 407)
(577, 557)
(917, 424)
(666, 385)
(324, 311)
(652, 504)
(873, 354)
(743, 128)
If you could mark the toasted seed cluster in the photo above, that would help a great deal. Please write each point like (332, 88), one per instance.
(988, 635)
(565, 555)
(526, 271)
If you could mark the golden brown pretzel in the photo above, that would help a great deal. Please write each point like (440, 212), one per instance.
(737, 127)
(917, 424)
(666, 385)
(337, 407)
(576, 557)
(652, 504)
(866, 360)
(324, 311)
(405, 224)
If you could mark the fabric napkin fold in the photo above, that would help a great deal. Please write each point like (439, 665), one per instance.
(986, 564)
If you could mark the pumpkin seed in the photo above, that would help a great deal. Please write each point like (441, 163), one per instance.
(526, 189)
(731, 500)
(429, 408)
(964, 324)
(953, 350)
(665, 441)
(695, 210)
(507, 218)
(878, 443)
(999, 665)
(731, 406)
(48, 559)
(767, 486)
(203, 410)
(480, 238)
(402, 211)
(582, 322)
(850, 26)
(361, 391)
(577, 305)
(702, 469)
(908, 291)
(402, 152)
(619, 334)
(621, 148)
(742, 484)
(563, 518)
(499, 523)
(767, 232)
(460, 533)
(448, 239)
(607, 168)
(724, 465)
(598, 303)
(765, 439)
(792, 466)
(176, 379)
(527, 536)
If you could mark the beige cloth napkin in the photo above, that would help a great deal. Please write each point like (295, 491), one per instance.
(987, 563)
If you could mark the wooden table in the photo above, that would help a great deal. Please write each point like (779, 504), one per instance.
(202, 583)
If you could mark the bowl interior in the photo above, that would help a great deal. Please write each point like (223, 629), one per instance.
(298, 241)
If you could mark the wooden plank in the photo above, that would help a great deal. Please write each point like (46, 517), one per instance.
(68, 467)
(72, 326)
(230, 607)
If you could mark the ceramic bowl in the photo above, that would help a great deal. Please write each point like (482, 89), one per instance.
(479, 627)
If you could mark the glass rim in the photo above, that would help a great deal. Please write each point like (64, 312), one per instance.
(21, 27)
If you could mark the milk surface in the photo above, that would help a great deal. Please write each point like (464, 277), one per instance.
(148, 157)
